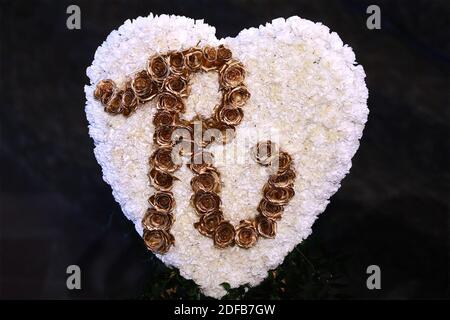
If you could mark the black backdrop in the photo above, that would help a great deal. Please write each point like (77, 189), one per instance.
(55, 210)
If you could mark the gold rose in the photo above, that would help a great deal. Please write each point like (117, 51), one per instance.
(264, 152)
(162, 201)
(177, 85)
(162, 159)
(209, 58)
(129, 101)
(158, 68)
(224, 235)
(284, 179)
(278, 195)
(229, 115)
(163, 136)
(158, 241)
(281, 163)
(223, 54)
(266, 228)
(205, 202)
(170, 102)
(104, 90)
(165, 118)
(208, 181)
(161, 180)
(144, 87)
(176, 62)
(154, 219)
(193, 58)
(114, 104)
(209, 222)
(246, 234)
(237, 97)
(270, 210)
(232, 74)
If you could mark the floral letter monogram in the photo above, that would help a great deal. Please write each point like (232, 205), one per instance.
(166, 79)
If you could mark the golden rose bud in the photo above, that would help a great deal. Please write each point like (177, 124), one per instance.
(129, 101)
(205, 202)
(158, 68)
(223, 55)
(237, 97)
(208, 182)
(154, 219)
(281, 162)
(144, 87)
(114, 104)
(209, 58)
(163, 136)
(224, 235)
(229, 115)
(209, 222)
(201, 162)
(263, 152)
(285, 179)
(278, 195)
(161, 180)
(177, 85)
(193, 58)
(270, 210)
(246, 234)
(104, 91)
(162, 201)
(176, 62)
(266, 228)
(169, 102)
(164, 118)
(232, 74)
(164, 159)
(158, 241)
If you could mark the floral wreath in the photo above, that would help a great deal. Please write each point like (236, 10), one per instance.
(167, 79)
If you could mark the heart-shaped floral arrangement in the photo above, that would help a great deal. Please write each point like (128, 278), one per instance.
(242, 140)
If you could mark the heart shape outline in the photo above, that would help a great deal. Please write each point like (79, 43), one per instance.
(329, 110)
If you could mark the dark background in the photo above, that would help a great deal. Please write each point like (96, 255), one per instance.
(55, 210)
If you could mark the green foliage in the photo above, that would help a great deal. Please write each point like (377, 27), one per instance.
(171, 285)
(306, 273)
